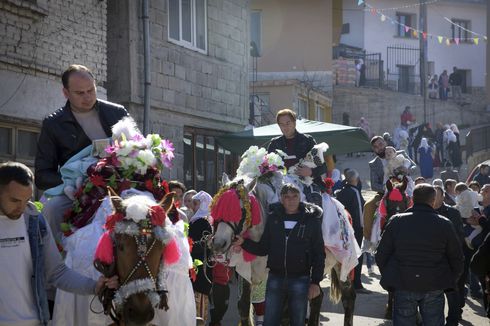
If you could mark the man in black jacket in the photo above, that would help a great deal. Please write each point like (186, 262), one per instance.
(419, 256)
(296, 145)
(350, 196)
(455, 298)
(293, 241)
(480, 265)
(68, 130)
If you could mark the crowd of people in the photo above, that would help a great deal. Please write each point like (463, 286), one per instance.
(450, 221)
(439, 87)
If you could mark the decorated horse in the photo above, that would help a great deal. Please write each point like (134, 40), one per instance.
(394, 201)
(128, 234)
(340, 245)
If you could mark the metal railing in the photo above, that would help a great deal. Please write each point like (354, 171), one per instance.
(477, 139)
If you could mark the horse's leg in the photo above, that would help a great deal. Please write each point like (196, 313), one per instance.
(348, 301)
(315, 308)
(244, 302)
(389, 305)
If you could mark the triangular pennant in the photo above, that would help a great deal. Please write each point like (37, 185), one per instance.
(424, 35)
(415, 33)
(383, 18)
(448, 42)
(456, 40)
(360, 2)
(485, 38)
(475, 40)
(373, 11)
(407, 28)
(440, 38)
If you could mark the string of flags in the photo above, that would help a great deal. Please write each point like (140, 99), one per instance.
(413, 5)
(419, 33)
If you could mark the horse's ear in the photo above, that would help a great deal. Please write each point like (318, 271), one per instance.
(250, 186)
(167, 201)
(115, 200)
(225, 179)
(404, 184)
(389, 185)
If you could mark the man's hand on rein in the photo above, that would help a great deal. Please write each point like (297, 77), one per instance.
(111, 283)
(238, 241)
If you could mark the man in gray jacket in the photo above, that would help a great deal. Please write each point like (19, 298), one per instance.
(31, 261)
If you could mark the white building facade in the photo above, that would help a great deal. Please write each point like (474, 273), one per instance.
(377, 31)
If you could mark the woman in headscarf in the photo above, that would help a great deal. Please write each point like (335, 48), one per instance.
(455, 153)
(200, 226)
(187, 203)
(336, 177)
(426, 159)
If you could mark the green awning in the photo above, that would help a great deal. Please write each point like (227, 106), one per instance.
(341, 139)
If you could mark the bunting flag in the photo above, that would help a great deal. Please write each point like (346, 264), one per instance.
(415, 32)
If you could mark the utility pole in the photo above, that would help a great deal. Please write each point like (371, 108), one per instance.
(423, 54)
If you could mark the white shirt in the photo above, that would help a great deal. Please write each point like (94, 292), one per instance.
(17, 304)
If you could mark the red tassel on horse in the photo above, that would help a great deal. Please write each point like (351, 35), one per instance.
(171, 253)
(105, 250)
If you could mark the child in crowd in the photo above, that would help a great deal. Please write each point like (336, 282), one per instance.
(466, 203)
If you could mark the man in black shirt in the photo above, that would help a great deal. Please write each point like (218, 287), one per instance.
(456, 80)
(293, 241)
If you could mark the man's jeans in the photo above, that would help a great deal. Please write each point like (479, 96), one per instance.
(431, 305)
(295, 289)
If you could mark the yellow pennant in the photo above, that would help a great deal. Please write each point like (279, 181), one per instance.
(440, 38)
(476, 40)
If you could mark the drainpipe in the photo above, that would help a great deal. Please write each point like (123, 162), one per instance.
(146, 41)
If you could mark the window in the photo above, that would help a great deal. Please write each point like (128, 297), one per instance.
(405, 20)
(18, 143)
(320, 113)
(187, 23)
(345, 28)
(205, 161)
(461, 31)
(302, 109)
(256, 33)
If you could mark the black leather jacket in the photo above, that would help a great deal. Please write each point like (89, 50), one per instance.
(62, 137)
(302, 253)
(303, 143)
(419, 251)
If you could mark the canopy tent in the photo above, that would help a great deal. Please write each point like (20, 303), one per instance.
(341, 139)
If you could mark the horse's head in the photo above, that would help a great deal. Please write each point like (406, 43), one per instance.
(140, 240)
(396, 200)
(234, 211)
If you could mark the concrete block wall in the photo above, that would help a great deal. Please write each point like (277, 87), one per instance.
(382, 108)
(40, 39)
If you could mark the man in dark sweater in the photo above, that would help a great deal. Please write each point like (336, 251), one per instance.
(419, 257)
(293, 241)
(455, 298)
(296, 145)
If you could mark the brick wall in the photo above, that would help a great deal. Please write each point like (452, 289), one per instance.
(39, 40)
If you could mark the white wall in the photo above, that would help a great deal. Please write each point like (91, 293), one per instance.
(464, 56)
(379, 35)
(354, 15)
